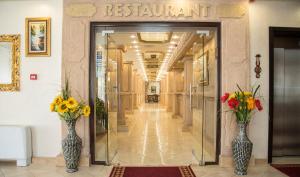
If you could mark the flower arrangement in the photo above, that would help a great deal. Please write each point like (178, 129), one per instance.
(67, 107)
(242, 103)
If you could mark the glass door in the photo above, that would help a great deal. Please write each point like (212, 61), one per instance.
(197, 99)
(106, 96)
(203, 96)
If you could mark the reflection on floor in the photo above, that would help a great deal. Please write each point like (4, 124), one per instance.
(155, 138)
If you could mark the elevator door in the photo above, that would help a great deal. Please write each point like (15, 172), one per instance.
(286, 120)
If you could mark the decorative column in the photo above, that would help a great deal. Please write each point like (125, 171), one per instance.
(134, 88)
(175, 94)
(162, 100)
(126, 88)
(122, 126)
(188, 78)
(170, 91)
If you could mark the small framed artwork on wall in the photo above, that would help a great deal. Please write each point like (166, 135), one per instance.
(38, 37)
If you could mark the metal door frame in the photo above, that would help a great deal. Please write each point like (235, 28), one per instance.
(275, 32)
(154, 24)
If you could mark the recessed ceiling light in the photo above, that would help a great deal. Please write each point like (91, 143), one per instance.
(169, 50)
(175, 37)
(132, 36)
(171, 47)
(134, 42)
(135, 46)
(172, 42)
(137, 50)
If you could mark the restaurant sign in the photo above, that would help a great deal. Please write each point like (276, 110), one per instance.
(157, 10)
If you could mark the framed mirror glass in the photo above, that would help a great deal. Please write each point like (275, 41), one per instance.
(9, 62)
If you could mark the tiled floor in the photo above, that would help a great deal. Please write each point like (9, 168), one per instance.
(154, 138)
(46, 170)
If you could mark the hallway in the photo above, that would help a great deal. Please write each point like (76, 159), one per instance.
(154, 138)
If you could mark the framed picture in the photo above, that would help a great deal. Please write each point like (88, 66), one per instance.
(38, 37)
(201, 69)
(153, 89)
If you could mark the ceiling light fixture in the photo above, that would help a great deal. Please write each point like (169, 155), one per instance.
(175, 37)
(132, 36)
(141, 66)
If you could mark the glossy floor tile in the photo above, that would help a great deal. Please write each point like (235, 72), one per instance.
(156, 138)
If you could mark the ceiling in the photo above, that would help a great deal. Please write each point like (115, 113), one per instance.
(142, 51)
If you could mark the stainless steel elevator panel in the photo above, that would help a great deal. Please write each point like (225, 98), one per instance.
(286, 119)
(278, 98)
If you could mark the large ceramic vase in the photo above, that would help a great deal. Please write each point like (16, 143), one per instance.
(71, 146)
(242, 150)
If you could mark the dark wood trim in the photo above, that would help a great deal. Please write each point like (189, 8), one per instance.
(93, 25)
(219, 115)
(92, 78)
(275, 32)
(271, 92)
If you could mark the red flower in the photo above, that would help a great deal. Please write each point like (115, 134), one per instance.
(224, 97)
(233, 103)
(258, 105)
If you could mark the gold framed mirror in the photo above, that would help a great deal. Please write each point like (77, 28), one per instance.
(9, 62)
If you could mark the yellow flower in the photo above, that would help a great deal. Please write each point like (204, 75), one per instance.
(248, 93)
(52, 107)
(71, 103)
(231, 96)
(62, 108)
(73, 110)
(86, 111)
(250, 103)
(58, 100)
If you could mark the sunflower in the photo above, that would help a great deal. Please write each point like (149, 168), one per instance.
(58, 100)
(62, 108)
(71, 103)
(73, 110)
(86, 111)
(52, 107)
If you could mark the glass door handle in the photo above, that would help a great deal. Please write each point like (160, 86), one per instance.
(190, 96)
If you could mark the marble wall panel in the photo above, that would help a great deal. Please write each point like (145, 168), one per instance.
(234, 54)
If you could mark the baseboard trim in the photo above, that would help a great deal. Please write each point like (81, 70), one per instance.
(44, 160)
(261, 161)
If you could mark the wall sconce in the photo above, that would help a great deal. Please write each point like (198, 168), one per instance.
(257, 68)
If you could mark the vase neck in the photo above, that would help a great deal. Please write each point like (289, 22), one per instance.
(243, 130)
(71, 125)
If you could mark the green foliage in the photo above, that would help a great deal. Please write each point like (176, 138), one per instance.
(66, 92)
(100, 108)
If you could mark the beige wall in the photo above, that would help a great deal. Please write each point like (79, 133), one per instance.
(30, 105)
(234, 52)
